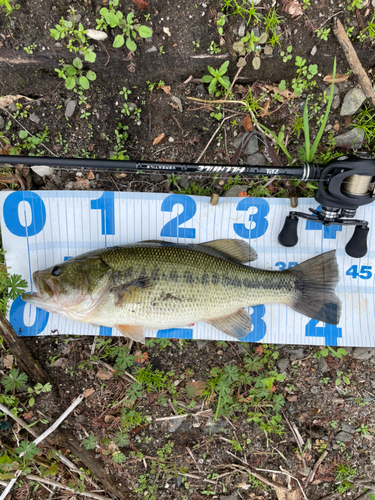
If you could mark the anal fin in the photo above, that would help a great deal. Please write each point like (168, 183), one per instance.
(237, 325)
(134, 332)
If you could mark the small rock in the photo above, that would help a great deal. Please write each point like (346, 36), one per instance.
(363, 353)
(179, 481)
(315, 389)
(336, 102)
(174, 424)
(352, 140)
(255, 30)
(234, 191)
(34, 118)
(313, 50)
(252, 145)
(212, 427)
(328, 128)
(157, 177)
(283, 364)
(12, 107)
(70, 107)
(76, 18)
(201, 344)
(322, 364)
(343, 437)
(327, 91)
(301, 105)
(306, 471)
(2, 123)
(241, 29)
(42, 170)
(299, 354)
(368, 398)
(233, 496)
(257, 159)
(347, 428)
(178, 101)
(171, 139)
(202, 88)
(184, 181)
(352, 102)
(152, 49)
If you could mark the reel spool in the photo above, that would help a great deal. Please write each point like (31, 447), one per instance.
(345, 185)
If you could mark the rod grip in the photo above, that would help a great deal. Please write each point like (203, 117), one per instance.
(357, 245)
(288, 235)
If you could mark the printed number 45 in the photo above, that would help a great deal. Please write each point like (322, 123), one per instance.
(364, 273)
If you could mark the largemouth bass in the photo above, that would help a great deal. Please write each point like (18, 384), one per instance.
(160, 285)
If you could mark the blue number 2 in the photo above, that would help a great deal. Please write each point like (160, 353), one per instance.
(171, 228)
(259, 218)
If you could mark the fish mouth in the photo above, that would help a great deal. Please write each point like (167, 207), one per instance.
(44, 289)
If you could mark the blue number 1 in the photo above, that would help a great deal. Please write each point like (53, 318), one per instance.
(107, 206)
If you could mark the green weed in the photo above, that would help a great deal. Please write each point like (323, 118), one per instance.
(217, 78)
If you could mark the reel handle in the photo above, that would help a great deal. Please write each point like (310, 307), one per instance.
(288, 235)
(357, 245)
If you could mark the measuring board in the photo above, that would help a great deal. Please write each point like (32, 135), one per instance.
(40, 229)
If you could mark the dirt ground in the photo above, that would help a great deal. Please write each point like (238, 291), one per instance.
(328, 400)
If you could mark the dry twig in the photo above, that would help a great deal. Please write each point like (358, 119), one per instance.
(44, 480)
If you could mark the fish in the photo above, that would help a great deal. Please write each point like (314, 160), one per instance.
(161, 285)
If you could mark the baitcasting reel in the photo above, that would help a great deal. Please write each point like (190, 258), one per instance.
(344, 185)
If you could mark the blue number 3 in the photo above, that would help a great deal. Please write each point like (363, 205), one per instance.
(259, 218)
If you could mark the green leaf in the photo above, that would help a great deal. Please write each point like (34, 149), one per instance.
(238, 46)
(30, 450)
(223, 68)
(121, 439)
(145, 32)
(119, 41)
(224, 80)
(90, 56)
(212, 71)
(90, 442)
(280, 377)
(15, 380)
(70, 82)
(70, 70)
(83, 81)
(282, 85)
(55, 34)
(118, 458)
(111, 19)
(31, 402)
(212, 86)
(91, 75)
(346, 380)
(263, 38)
(207, 78)
(313, 69)
(23, 134)
(131, 45)
(130, 17)
(77, 63)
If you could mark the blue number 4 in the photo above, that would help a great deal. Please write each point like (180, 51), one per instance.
(364, 273)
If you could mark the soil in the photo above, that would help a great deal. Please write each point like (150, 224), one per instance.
(313, 402)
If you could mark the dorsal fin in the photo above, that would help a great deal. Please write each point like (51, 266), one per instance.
(238, 250)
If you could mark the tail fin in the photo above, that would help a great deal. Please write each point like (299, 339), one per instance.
(315, 284)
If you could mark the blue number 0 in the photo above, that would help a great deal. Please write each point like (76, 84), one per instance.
(171, 228)
(259, 218)
(16, 315)
(11, 217)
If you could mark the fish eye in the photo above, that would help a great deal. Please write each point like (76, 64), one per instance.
(56, 271)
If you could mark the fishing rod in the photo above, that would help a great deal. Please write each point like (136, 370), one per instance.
(344, 185)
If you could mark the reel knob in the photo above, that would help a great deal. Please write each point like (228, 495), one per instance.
(288, 235)
(357, 245)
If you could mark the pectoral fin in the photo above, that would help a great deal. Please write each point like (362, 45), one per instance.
(135, 332)
(126, 290)
(236, 325)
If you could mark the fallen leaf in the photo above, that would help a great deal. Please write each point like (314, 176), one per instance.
(247, 123)
(284, 93)
(243, 194)
(103, 374)
(338, 78)
(87, 393)
(264, 111)
(90, 175)
(27, 415)
(8, 361)
(293, 8)
(197, 388)
(158, 139)
(288, 495)
(111, 418)
(91, 147)
(241, 62)
(8, 99)
(336, 127)
(60, 363)
(167, 31)
(292, 398)
(167, 89)
(141, 4)
(256, 62)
